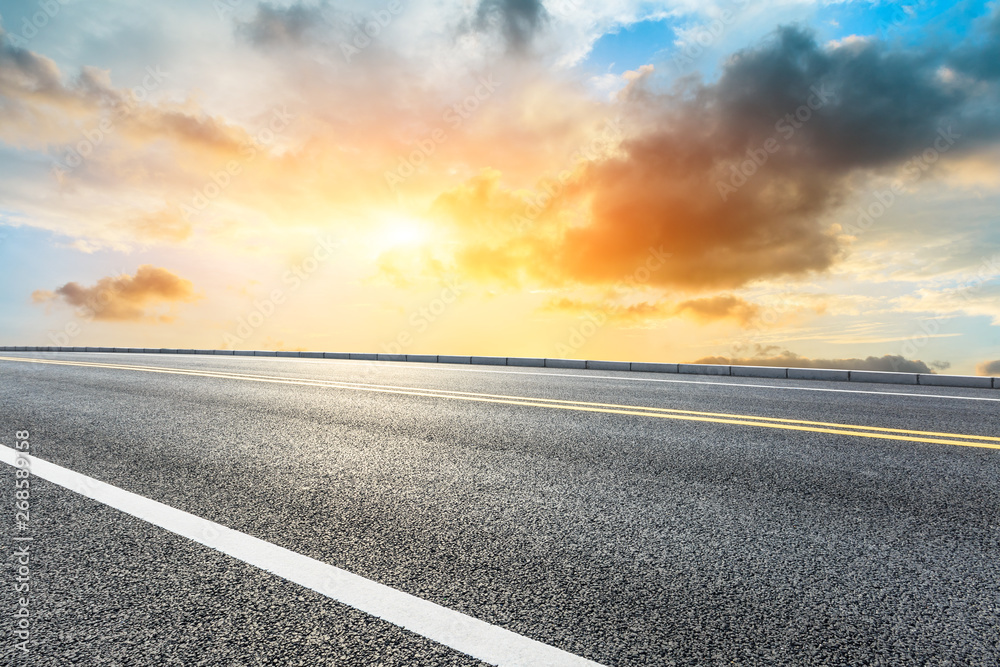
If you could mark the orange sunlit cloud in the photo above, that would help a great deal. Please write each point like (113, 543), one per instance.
(123, 297)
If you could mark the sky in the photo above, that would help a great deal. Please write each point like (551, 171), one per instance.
(775, 182)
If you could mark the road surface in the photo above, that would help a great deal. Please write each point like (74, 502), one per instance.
(617, 518)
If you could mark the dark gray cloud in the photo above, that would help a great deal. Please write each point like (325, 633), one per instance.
(890, 363)
(736, 177)
(274, 25)
(518, 21)
(982, 60)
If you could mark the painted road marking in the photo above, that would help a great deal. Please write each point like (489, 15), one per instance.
(466, 634)
(933, 437)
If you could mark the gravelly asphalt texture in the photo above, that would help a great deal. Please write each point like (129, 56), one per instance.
(625, 539)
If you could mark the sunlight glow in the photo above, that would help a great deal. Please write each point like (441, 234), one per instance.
(403, 232)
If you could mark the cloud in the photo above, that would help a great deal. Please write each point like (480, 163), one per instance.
(988, 368)
(124, 298)
(977, 296)
(983, 60)
(42, 108)
(709, 309)
(739, 178)
(786, 358)
(700, 180)
(618, 314)
(281, 28)
(37, 104)
(720, 307)
(162, 225)
(123, 161)
(518, 21)
(277, 26)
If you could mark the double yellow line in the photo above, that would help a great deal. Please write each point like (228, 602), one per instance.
(934, 437)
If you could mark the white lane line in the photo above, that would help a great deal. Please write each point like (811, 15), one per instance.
(457, 368)
(463, 633)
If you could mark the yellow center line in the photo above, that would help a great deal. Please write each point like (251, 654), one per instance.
(581, 406)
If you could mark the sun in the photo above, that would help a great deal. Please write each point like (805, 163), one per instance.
(403, 232)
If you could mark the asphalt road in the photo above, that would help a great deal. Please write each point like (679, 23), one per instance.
(625, 536)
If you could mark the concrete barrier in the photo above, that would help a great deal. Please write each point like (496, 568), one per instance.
(336, 355)
(228, 353)
(973, 381)
(392, 357)
(242, 353)
(818, 374)
(488, 361)
(758, 371)
(577, 364)
(422, 358)
(652, 367)
(529, 362)
(363, 356)
(704, 369)
(311, 355)
(883, 377)
(609, 365)
(264, 353)
(445, 359)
